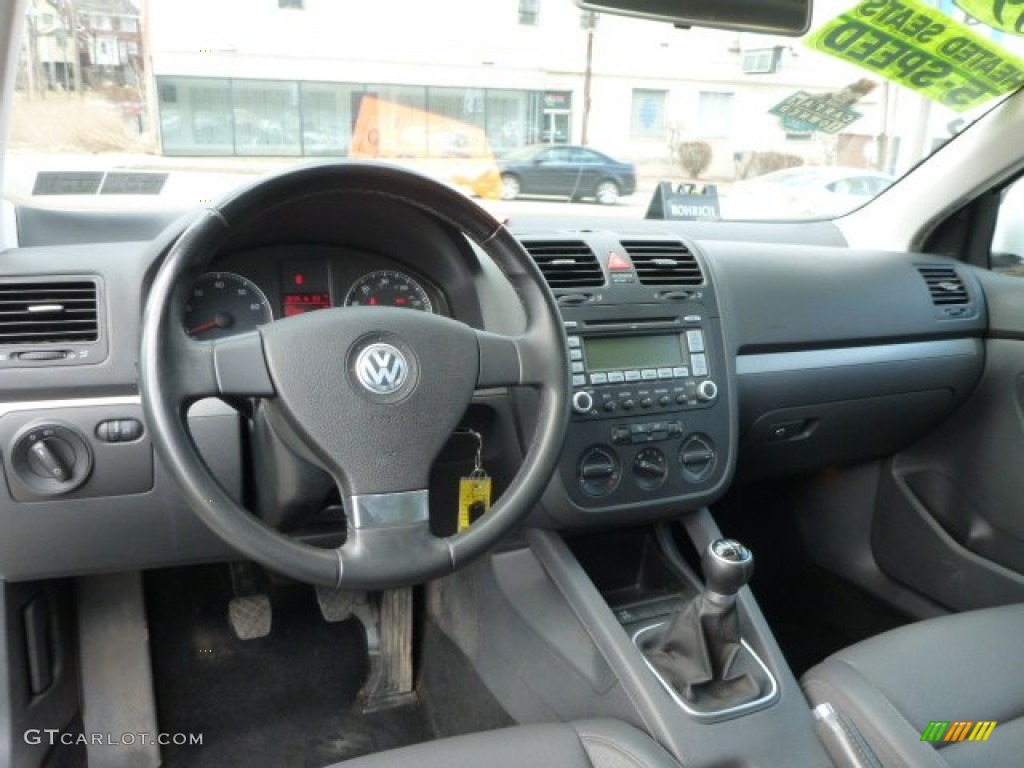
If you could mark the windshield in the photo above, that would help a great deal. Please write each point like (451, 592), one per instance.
(173, 103)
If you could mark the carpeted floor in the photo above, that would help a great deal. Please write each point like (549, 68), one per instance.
(288, 699)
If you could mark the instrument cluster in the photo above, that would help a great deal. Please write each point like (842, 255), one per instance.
(257, 287)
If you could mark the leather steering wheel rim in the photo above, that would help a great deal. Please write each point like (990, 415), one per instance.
(389, 543)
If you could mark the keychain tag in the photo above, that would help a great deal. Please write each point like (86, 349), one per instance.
(474, 490)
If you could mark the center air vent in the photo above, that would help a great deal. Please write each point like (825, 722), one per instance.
(48, 312)
(663, 262)
(945, 285)
(566, 263)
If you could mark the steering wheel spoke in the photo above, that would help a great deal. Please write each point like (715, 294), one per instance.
(386, 533)
(388, 510)
(233, 366)
(511, 360)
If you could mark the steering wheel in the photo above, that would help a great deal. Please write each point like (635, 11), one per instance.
(369, 394)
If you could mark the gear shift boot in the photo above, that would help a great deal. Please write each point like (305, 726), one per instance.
(699, 654)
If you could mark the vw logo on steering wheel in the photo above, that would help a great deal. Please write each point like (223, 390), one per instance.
(382, 369)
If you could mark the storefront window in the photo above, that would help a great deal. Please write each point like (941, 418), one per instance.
(202, 116)
(195, 116)
(329, 112)
(266, 117)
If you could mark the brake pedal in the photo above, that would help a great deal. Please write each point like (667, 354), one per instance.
(250, 616)
(335, 604)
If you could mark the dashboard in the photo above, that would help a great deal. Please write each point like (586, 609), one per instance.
(699, 354)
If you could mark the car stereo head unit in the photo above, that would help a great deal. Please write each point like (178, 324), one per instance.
(613, 373)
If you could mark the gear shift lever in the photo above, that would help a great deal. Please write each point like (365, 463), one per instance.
(727, 566)
(696, 652)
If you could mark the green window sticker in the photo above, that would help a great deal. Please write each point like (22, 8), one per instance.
(921, 48)
(1007, 15)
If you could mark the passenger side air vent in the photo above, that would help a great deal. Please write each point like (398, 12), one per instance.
(45, 312)
(944, 285)
(566, 263)
(663, 262)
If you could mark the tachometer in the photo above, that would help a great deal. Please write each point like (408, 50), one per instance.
(388, 288)
(223, 304)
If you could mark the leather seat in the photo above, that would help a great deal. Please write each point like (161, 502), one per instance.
(964, 667)
(586, 744)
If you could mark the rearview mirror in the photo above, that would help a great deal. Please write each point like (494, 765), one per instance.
(775, 17)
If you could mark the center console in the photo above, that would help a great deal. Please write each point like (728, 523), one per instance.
(651, 401)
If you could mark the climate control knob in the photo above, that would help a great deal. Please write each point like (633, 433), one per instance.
(650, 468)
(697, 458)
(582, 402)
(598, 470)
(707, 391)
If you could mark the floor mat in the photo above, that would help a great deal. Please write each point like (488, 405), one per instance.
(811, 612)
(286, 700)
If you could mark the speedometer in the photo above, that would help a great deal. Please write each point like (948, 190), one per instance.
(388, 288)
(223, 304)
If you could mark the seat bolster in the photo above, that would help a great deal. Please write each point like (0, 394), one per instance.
(890, 735)
(614, 744)
(586, 744)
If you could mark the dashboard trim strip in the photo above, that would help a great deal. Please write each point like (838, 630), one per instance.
(779, 362)
(84, 402)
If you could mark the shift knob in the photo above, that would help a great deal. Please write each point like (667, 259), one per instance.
(727, 566)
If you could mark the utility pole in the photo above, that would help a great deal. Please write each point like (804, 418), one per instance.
(72, 23)
(31, 52)
(589, 21)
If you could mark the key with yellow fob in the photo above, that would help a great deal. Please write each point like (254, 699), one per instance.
(474, 489)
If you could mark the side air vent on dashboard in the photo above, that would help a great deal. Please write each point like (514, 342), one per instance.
(663, 262)
(944, 285)
(566, 263)
(45, 312)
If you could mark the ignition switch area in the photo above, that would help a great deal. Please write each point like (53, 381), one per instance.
(51, 459)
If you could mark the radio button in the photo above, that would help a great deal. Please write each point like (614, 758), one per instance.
(675, 429)
(579, 380)
(646, 402)
(577, 367)
(681, 372)
(575, 354)
(616, 377)
(649, 374)
(598, 378)
(695, 340)
(681, 399)
(628, 405)
(664, 401)
(620, 435)
(699, 363)
(574, 342)
(664, 373)
(610, 406)
(633, 376)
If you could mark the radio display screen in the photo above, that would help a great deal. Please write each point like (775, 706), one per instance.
(620, 352)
